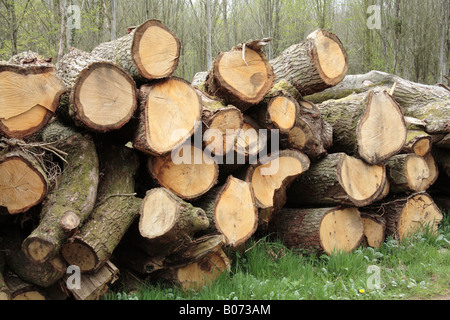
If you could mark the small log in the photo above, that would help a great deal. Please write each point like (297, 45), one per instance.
(81, 167)
(374, 229)
(408, 216)
(116, 209)
(408, 173)
(232, 211)
(271, 177)
(23, 181)
(42, 275)
(150, 51)
(338, 179)
(242, 76)
(311, 66)
(370, 125)
(190, 173)
(418, 142)
(167, 222)
(101, 96)
(320, 230)
(30, 93)
(171, 112)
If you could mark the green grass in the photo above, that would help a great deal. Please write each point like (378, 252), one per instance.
(418, 267)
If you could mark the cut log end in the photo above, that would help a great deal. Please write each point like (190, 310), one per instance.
(282, 112)
(374, 229)
(155, 50)
(341, 230)
(172, 112)
(329, 56)
(382, 130)
(236, 215)
(162, 212)
(69, 221)
(22, 185)
(105, 97)
(38, 250)
(79, 254)
(189, 175)
(362, 182)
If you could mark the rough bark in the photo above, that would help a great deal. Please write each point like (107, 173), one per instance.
(370, 125)
(150, 51)
(81, 167)
(424, 102)
(312, 66)
(338, 179)
(116, 209)
(320, 230)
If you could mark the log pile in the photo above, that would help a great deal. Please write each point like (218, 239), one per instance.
(110, 165)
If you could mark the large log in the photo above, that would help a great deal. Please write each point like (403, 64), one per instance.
(190, 173)
(76, 191)
(231, 210)
(370, 125)
(23, 181)
(320, 230)
(167, 222)
(116, 209)
(406, 217)
(101, 96)
(271, 177)
(311, 66)
(30, 93)
(338, 179)
(171, 111)
(425, 102)
(150, 51)
(242, 76)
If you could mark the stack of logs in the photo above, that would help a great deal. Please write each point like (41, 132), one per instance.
(109, 162)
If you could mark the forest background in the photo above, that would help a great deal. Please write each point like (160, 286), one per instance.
(409, 38)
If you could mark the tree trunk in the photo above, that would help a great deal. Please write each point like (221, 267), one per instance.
(189, 174)
(370, 125)
(76, 192)
(321, 230)
(242, 76)
(408, 216)
(30, 93)
(318, 63)
(408, 173)
(23, 181)
(102, 96)
(171, 112)
(424, 102)
(151, 51)
(270, 179)
(338, 179)
(232, 211)
(167, 222)
(115, 211)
